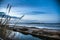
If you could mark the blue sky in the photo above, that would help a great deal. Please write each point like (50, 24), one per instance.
(34, 10)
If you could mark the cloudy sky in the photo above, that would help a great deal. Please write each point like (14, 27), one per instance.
(46, 11)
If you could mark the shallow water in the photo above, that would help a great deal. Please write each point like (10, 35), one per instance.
(20, 36)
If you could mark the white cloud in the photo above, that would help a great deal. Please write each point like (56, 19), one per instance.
(42, 17)
(47, 17)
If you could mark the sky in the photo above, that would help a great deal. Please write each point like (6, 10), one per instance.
(45, 11)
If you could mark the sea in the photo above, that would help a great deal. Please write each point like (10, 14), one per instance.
(42, 25)
(21, 36)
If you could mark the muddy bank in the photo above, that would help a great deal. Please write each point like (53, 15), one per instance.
(44, 33)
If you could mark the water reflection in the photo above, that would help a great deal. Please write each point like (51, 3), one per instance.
(20, 36)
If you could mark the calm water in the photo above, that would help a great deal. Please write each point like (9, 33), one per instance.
(20, 36)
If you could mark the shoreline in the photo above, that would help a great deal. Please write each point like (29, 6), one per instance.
(44, 33)
(37, 32)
